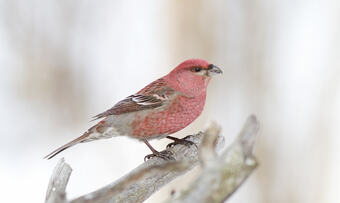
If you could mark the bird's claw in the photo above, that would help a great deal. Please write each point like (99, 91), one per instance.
(166, 155)
(182, 141)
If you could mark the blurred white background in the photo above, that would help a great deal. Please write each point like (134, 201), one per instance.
(65, 61)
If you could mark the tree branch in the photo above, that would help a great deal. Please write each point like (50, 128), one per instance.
(143, 181)
(223, 175)
(58, 182)
(220, 176)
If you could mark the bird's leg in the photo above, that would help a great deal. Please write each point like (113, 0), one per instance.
(182, 141)
(166, 155)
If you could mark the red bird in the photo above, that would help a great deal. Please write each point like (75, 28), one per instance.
(163, 107)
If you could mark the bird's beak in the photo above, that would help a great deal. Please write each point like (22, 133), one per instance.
(214, 70)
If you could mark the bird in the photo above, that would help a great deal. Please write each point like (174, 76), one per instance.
(165, 106)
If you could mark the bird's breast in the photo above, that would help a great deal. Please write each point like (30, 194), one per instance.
(175, 116)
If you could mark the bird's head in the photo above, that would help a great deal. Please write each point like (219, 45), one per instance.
(198, 68)
(193, 75)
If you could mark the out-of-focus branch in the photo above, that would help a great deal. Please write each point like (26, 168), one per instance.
(222, 176)
(58, 181)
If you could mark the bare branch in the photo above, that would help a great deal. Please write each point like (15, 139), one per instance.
(58, 182)
(222, 176)
(207, 150)
(149, 177)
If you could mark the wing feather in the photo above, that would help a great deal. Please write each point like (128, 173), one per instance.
(154, 95)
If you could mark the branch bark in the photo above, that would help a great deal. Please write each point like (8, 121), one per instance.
(220, 177)
(143, 181)
(58, 182)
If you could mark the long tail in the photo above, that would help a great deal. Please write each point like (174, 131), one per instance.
(101, 130)
(70, 144)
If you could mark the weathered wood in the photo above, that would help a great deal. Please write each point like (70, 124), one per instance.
(223, 175)
(58, 182)
(149, 177)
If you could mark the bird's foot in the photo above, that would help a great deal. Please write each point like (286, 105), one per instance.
(182, 141)
(166, 155)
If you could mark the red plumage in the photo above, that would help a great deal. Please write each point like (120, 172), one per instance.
(163, 107)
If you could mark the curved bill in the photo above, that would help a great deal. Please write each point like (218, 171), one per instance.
(214, 70)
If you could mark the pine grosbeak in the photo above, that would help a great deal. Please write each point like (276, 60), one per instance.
(163, 107)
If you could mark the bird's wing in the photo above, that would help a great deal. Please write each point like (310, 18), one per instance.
(152, 96)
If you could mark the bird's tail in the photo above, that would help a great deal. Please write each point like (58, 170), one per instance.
(70, 144)
(96, 132)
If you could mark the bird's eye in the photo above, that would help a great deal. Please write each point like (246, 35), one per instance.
(197, 69)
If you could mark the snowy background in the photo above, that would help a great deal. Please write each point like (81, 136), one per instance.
(63, 61)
